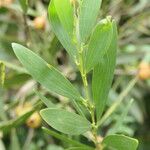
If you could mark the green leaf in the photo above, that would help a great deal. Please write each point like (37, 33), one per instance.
(45, 100)
(65, 14)
(2, 73)
(77, 148)
(24, 5)
(65, 122)
(54, 147)
(44, 73)
(14, 141)
(103, 75)
(119, 100)
(8, 125)
(120, 142)
(62, 25)
(2, 146)
(3, 115)
(99, 43)
(14, 67)
(118, 125)
(66, 139)
(87, 17)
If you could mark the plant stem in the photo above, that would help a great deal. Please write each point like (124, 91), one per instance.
(89, 106)
(83, 74)
(80, 64)
(27, 31)
(118, 101)
(28, 139)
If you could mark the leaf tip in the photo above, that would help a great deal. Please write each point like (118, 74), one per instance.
(41, 112)
(14, 45)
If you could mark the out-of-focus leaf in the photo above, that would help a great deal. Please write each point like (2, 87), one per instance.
(58, 26)
(44, 73)
(14, 67)
(2, 73)
(66, 139)
(117, 127)
(8, 125)
(118, 101)
(3, 10)
(120, 142)
(66, 122)
(103, 75)
(2, 146)
(24, 5)
(77, 148)
(15, 80)
(3, 115)
(99, 43)
(46, 101)
(14, 141)
(54, 147)
(87, 17)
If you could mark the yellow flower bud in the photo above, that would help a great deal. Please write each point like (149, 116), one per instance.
(34, 120)
(144, 71)
(22, 109)
(39, 23)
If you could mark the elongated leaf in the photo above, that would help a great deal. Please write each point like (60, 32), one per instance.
(121, 142)
(46, 101)
(44, 73)
(119, 124)
(24, 5)
(65, 122)
(2, 73)
(103, 75)
(99, 43)
(2, 146)
(87, 17)
(77, 148)
(14, 141)
(14, 67)
(119, 100)
(3, 115)
(66, 139)
(54, 147)
(65, 14)
(58, 26)
(8, 125)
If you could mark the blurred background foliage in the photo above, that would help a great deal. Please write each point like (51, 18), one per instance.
(19, 121)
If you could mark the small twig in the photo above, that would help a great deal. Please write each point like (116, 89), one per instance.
(118, 101)
(125, 73)
(27, 30)
(28, 139)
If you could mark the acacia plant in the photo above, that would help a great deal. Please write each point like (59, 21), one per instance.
(92, 47)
